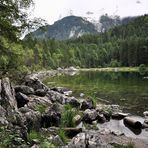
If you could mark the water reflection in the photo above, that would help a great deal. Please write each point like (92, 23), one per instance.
(126, 89)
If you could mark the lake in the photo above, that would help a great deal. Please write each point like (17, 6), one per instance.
(129, 90)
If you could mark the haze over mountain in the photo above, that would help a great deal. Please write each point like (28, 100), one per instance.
(75, 26)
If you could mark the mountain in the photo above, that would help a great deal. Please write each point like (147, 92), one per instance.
(66, 28)
(74, 27)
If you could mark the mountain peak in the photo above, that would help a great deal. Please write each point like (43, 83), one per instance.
(74, 27)
(66, 28)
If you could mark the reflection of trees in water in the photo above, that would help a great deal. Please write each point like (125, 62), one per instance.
(126, 89)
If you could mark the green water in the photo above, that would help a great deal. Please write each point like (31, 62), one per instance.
(129, 90)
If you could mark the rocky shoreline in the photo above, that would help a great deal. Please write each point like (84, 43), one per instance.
(36, 116)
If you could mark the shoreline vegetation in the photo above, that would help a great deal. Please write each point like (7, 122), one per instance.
(115, 69)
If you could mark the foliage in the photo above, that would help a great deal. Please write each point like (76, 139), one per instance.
(33, 134)
(67, 116)
(142, 68)
(129, 145)
(62, 135)
(13, 22)
(125, 45)
(114, 63)
(94, 100)
(46, 144)
(11, 138)
(41, 108)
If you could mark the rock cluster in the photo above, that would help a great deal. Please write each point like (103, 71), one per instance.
(33, 105)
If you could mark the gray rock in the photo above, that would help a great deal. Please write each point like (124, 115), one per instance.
(77, 119)
(3, 120)
(56, 97)
(90, 115)
(35, 146)
(24, 110)
(101, 118)
(8, 100)
(86, 104)
(35, 83)
(22, 99)
(115, 108)
(145, 114)
(50, 118)
(57, 141)
(41, 92)
(33, 119)
(88, 140)
(24, 89)
(119, 115)
(73, 102)
(36, 101)
(0, 89)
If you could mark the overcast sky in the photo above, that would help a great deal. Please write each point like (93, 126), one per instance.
(52, 10)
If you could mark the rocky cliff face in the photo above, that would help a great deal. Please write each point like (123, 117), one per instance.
(74, 27)
(66, 28)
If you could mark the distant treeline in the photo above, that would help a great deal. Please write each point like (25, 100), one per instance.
(125, 45)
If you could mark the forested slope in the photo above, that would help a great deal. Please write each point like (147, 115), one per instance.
(125, 45)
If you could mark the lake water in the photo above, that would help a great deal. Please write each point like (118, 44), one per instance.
(129, 90)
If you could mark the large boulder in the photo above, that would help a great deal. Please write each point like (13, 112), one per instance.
(3, 120)
(33, 119)
(36, 102)
(41, 92)
(35, 83)
(8, 100)
(87, 104)
(90, 115)
(22, 99)
(56, 96)
(73, 102)
(145, 113)
(24, 89)
(62, 90)
(50, 118)
(88, 140)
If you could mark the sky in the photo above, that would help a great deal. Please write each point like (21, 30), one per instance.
(53, 10)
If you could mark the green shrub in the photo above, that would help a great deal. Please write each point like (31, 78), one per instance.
(44, 142)
(62, 135)
(94, 101)
(129, 145)
(142, 68)
(11, 139)
(67, 116)
(41, 108)
(33, 134)
(114, 63)
(47, 144)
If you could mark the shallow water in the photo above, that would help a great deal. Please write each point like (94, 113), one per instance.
(118, 126)
(129, 90)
